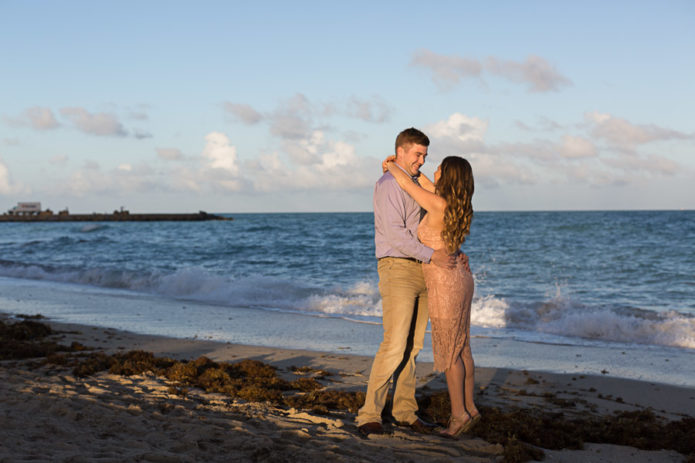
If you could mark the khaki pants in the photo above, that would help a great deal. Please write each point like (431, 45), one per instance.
(404, 301)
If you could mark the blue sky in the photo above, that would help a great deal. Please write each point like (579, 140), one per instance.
(161, 106)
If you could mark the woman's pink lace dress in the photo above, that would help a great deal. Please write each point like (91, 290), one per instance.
(449, 294)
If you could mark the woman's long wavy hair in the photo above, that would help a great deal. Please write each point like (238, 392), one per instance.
(456, 186)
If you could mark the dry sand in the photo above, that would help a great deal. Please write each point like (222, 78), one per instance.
(49, 414)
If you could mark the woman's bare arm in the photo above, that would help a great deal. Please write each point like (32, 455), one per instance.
(426, 183)
(426, 199)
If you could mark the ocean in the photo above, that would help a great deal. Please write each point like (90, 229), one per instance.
(609, 292)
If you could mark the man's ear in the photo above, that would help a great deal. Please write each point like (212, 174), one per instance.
(399, 152)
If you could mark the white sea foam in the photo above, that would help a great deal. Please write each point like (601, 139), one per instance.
(558, 315)
(563, 317)
(360, 300)
(489, 312)
(668, 328)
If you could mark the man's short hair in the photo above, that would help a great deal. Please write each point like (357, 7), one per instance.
(410, 136)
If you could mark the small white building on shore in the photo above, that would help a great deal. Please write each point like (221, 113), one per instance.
(26, 208)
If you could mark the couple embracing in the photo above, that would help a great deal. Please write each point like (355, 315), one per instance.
(422, 271)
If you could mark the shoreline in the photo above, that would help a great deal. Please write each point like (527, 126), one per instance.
(139, 416)
(187, 319)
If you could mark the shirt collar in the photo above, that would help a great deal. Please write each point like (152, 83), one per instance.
(406, 172)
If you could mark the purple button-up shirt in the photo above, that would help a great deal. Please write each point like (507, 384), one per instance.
(396, 217)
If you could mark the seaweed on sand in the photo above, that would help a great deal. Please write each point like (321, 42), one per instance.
(26, 339)
(524, 432)
(324, 402)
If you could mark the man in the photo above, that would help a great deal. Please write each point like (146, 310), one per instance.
(403, 291)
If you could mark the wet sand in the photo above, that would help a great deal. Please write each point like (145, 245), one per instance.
(48, 412)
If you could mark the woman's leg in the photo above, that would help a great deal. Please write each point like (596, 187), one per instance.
(469, 380)
(460, 379)
(455, 375)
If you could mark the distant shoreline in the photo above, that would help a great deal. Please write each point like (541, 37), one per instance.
(114, 217)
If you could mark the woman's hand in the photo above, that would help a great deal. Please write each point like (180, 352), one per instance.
(385, 164)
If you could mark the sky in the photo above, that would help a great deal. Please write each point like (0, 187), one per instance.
(275, 106)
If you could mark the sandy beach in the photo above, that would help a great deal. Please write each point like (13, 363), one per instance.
(57, 406)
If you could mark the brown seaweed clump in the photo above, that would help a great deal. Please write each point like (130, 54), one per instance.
(250, 380)
(26, 339)
(324, 402)
(523, 432)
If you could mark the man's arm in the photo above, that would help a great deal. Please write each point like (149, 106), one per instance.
(390, 207)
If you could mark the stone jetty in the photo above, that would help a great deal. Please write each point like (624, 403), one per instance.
(116, 216)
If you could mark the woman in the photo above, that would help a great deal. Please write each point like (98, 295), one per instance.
(446, 224)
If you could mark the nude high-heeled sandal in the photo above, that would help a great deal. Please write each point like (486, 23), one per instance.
(462, 425)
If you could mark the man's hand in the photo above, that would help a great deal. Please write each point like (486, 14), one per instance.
(463, 259)
(384, 165)
(441, 259)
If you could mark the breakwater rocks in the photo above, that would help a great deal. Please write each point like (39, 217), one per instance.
(117, 216)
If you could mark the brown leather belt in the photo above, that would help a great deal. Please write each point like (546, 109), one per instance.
(412, 259)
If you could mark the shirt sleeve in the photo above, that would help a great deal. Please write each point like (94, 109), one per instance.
(391, 206)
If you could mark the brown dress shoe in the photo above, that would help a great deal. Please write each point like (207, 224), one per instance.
(370, 428)
(421, 426)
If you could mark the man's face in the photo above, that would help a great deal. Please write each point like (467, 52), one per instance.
(411, 158)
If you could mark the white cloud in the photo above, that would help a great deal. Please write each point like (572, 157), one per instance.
(293, 119)
(539, 150)
(5, 182)
(42, 118)
(296, 118)
(101, 124)
(624, 134)
(170, 154)
(59, 159)
(535, 72)
(216, 169)
(220, 153)
(457, 135)
(289, 125)
(141, 134)
(37, 117)
(220, 166)
(138, 115)
(93, 180)
(374, 110)
(494, 171)
(461, 135)
(571, 157)
(544, 125)
(449, 70)
(577, 147)
(244, 112)
(591, 174)
(650, 165)
(305, 150)
(7, 185)
(326, 165)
